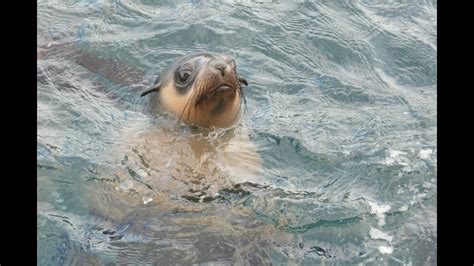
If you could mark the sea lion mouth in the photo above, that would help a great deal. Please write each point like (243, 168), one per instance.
(222, 89)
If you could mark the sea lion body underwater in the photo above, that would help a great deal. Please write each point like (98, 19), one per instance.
(202, 89)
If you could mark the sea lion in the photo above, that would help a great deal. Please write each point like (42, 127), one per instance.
(156, 175)
(202, 89)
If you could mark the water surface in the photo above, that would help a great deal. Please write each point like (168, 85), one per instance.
(341, 106)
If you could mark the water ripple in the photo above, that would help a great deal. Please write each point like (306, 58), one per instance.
(341, 108)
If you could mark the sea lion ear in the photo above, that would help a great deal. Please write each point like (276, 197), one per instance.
(155, 87)
(243, 80)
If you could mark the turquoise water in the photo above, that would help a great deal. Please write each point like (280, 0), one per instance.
(341, 107)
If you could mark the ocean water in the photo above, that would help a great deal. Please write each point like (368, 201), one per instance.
(340, 107)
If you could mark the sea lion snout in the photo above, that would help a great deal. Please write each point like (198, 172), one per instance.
(218, 78)
(221, 67)
(225, 66)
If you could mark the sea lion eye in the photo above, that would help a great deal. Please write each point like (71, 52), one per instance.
(183, 75)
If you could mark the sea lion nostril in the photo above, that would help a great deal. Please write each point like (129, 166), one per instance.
(221, 68)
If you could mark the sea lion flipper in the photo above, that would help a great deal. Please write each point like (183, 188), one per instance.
(113, 70)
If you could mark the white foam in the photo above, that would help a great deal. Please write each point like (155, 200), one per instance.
(425, 154)
(147, 199)
(396, 157)
(142, 173)
(379, 210)
(385, 250)
(378, 234)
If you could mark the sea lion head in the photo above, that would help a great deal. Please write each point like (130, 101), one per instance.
(203, 89)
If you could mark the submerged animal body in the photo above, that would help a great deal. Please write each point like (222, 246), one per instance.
(202, 89)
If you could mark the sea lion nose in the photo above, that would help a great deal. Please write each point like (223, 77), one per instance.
(221, 67)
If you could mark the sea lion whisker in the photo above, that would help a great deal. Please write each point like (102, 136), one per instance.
(184, 108)
(191, 99)
(189, 109)
(198, 91)
(242, 95)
